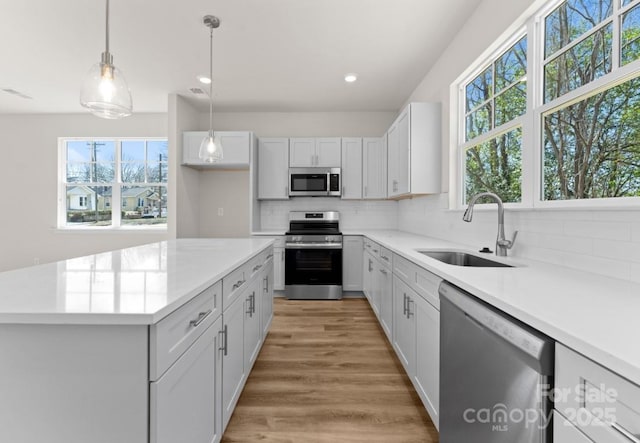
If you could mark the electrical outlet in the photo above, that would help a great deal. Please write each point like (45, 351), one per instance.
(220, 212)
(36, 261)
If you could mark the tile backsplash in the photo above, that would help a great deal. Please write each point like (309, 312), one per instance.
(354, 214)
(605, 242)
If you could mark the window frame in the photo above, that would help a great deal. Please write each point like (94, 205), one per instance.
(116, 187)
(532, 24)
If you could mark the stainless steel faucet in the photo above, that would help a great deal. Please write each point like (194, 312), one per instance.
(502, 244)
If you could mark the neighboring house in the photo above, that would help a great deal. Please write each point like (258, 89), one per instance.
(142, 200)
(81, 198)
(139, 199)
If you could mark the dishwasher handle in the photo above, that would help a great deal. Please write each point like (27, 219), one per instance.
(534, 344)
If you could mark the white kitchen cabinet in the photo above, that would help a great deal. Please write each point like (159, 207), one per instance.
(374, 167)
(252, 323)
(351, 168)
(267, 296)
(233, 376)
(236, 147)
(185, 401)
(278, 268)
(352, 256)
(565, 432)
(599, 403)
(368, 282)
(385, 291)
(414, 151)
(312, 152)
(273, 168)
(427, 376)
(404, 325)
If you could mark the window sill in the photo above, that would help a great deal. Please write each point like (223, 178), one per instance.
(132, 229)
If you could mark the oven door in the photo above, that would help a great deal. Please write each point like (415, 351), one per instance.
(313, 273)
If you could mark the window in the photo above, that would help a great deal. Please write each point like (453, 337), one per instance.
(95, 171)
(495, 101)
(574, 107)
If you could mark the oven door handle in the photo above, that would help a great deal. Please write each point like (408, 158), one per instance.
(313, 245)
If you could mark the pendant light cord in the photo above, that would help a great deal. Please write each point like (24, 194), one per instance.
(211, 78)
(107, 30)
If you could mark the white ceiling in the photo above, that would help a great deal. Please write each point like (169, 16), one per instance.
(269, 55)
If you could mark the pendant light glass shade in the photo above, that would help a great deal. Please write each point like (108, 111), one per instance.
(211, 147)
(105, 92)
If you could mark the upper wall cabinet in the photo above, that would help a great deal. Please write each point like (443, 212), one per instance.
(273, 168)
(414, 151)
(236, 148)
(310, 152)
(374, 167)
(352, 168)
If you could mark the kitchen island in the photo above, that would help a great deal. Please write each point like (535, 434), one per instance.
(129, 345)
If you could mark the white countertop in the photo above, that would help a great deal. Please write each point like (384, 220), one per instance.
(139, 285)
(597, 316)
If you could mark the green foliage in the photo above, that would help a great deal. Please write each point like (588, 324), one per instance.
(496, 166)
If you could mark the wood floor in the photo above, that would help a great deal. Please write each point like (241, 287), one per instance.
(326, 373)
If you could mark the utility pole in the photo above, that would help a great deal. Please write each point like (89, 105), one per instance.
(94, 178)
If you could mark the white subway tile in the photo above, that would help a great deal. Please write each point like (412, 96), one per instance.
(603, 230)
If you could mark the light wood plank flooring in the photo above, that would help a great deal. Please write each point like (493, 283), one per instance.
(326, 373)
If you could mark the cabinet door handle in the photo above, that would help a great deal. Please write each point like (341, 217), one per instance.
(200, 319)
(384, 257)
(238, 284)
(253, 302)
(383, 271)
(266, 284)
(224, 332)
(409, 313)
(268, 257)
(370, 265)
(405, 304)
(256, 267)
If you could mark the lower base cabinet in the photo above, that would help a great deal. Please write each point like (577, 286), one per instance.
(177, 380)
(194, 380)
(404, 325)
(565, 432)
(267, 297)
(427, 376)
(233, 358)
(385, 299)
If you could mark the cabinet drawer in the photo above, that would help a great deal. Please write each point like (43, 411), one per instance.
(565, 432)
(601, 404)
(420, 280)
(386, 257)
(404, 269)
(234, 282)
(255, 265)
(372, 247)
(172, 336)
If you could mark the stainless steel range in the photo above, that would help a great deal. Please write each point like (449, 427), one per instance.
(313, 256)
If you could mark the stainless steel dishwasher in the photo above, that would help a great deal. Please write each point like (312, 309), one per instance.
(495, 374)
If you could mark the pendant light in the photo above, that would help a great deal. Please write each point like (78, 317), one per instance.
(211, 148)
(105, 92)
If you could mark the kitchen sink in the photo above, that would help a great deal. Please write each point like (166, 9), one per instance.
(459, 258)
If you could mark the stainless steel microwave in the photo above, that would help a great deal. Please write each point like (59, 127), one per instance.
(314, 182)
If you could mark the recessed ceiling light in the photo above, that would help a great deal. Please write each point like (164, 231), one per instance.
(350, 78)
(204, 79)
